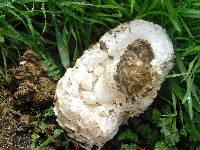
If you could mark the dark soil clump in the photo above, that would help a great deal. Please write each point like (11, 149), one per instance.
(34, 88)
(30, 92)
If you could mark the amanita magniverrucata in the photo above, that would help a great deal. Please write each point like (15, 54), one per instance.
(113, 80)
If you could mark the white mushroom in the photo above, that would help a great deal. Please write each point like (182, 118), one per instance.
(115, 79)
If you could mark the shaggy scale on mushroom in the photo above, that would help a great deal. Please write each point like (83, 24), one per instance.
(115, 79)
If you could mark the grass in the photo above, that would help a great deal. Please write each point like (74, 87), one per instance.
(67, 28)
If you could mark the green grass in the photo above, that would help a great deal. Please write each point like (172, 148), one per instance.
(69, 27)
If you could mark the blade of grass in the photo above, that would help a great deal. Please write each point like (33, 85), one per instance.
(50, 139)
(61, 39)
(186, 12)
(132, 6)
(173, 14)
(75, 49)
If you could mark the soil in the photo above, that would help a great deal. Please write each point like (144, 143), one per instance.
(134, 70)
(34, 87)
(31, 91)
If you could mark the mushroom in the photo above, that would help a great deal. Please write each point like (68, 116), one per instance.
(115, 79)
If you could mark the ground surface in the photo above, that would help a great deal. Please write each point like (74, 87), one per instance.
(30, 92)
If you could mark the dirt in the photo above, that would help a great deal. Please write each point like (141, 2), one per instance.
(31, 91)
(142, 49)
(134, 70)
(11, 123)
(102, 45)
(34, 87)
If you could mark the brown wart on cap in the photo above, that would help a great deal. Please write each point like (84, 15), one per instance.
(134, 70)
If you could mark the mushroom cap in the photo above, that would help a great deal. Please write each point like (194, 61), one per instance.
(113, 80)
